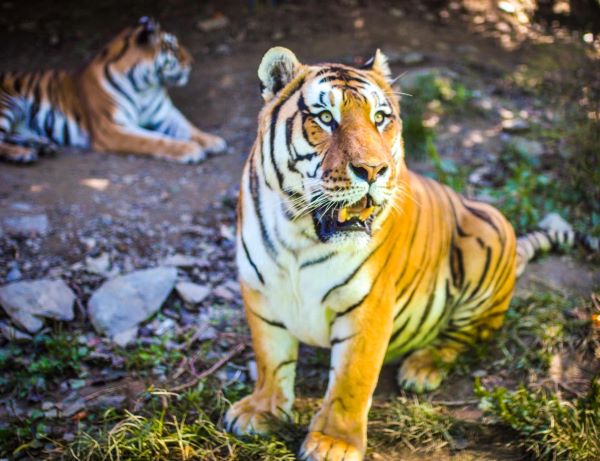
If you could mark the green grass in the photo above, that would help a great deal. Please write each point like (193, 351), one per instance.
(50, 357)
(551, 428)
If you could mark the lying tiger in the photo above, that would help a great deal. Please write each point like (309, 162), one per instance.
(341, 246)
(117, 103)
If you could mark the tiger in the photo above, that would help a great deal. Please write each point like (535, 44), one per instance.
(117, 103)
(341, 246)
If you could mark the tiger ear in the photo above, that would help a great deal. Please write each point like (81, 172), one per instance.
(148, 30)
(379, 63)
(278, 67)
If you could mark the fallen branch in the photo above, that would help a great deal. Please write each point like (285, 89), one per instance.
(231, 354)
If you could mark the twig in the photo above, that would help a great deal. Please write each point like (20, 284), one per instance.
(235, 351)
(454, 403)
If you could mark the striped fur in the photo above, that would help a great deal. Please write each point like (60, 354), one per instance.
(534, 243)
(117, 103)
(341, 246)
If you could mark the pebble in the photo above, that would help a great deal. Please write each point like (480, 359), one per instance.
(27, 303)
(192, 293)
(515, 125)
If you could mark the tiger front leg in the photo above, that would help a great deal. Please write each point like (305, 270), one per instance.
(276, 352)
(338, 432)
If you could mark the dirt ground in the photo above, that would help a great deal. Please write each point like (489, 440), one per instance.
(143, 209)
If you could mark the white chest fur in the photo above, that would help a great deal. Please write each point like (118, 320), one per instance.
(303, 283)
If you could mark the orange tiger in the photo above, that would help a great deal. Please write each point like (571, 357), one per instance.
(339, 245)
(118, 103)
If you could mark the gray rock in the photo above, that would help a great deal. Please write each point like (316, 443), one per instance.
(192, 293)
(14, 274)
(28, 302)
(410, 80)
(126, 301)
(515, 125)
(527, 147)
(12, 334)
(123, 338)
(99, 265)
(26, 225)
(414, 57)
(555, 222)
(181, 260)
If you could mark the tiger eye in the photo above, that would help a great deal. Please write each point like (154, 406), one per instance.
(379, 117)
(326, 117)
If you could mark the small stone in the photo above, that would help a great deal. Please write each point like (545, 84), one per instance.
(165, 326)
(252, 370)
(515, 125)
(222, 292)
(125, 301)
(181, 260)
(555, 222)
(27, 302)
(217, 22)
(192, 293)
(412, 58)
(481, 175)
(125, 337)
(99, 265)
(527, 147)
(26, 225)
(14, 274)
(12, 334)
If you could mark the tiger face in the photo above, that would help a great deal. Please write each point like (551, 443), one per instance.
(148, 57)
(165, 57)
(342, 144)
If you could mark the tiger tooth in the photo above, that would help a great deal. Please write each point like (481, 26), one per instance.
(364, 214)
(343, 215)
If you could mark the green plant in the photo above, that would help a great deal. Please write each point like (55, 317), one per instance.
(551, 427)
(50, 356)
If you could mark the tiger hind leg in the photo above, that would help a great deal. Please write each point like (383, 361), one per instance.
(424, 369)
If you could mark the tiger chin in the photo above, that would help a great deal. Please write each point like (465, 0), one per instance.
(117, 103)
(339, 245)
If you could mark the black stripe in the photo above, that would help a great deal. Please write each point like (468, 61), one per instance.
(66, 137)
(273, 323)
(352, 307)
(283, 364)
(457, 266)
(254, 193)
(272, 133)
(362, 263)
(399, 331)
(336, 341)
(258, 274)
(486, 267)
(320, 260)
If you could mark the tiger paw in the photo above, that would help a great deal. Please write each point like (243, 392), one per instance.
(211, 143)
(252, 415)
(320, 447)
(214, 144)
(422, 371)
(192, 153)
(18, 154)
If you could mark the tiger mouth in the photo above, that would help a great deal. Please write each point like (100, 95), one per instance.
(357, 217)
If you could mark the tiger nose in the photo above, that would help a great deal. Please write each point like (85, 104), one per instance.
(367, 171)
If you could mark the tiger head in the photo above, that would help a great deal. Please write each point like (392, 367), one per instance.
(335, 136)
(149, 56)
